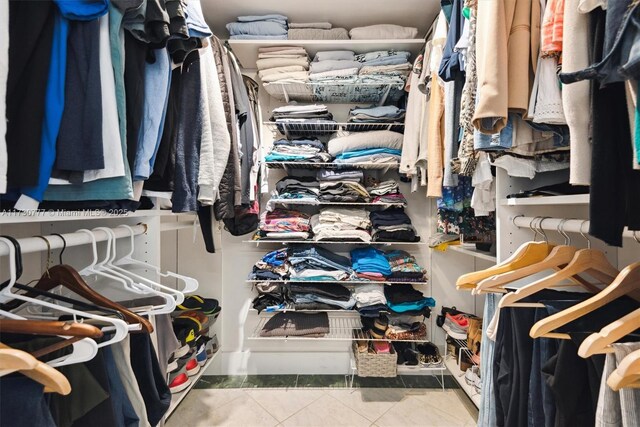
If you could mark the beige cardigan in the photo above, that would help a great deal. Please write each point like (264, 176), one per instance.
(507, 44)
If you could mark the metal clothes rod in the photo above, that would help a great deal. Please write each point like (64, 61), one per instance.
(36, 244)
(551, 224)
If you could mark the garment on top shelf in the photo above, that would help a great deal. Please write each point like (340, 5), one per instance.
(317, 34)
(259, 26)
(365, 140)
(383, 31)
(318, 25)
(333, 65)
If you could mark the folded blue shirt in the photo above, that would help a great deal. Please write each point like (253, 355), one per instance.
(271, 17)
(370, 260)
(368, 152)
(257, 28)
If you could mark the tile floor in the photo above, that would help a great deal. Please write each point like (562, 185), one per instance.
(320, 401)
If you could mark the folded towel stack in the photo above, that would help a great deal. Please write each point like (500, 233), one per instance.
(282, 64)
(269, 27)
(367, 147)
(341, 224)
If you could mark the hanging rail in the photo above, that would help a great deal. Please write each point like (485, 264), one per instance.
(568, 225)
(36, 244)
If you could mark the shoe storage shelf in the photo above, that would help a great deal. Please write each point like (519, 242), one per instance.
(453, 365)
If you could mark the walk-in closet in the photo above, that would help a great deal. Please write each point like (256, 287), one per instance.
(243, 213)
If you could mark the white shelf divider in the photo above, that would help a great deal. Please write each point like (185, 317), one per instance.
(473, 252)
(574, 199)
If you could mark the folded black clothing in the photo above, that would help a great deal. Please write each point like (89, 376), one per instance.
(292, 323)
(392, 216)
(267, 300)
(395, 236)
(401, 293)
(561, 189)
(373, 311)
(331, 290)
(302, 182)
(426, 312)
(341, 198)
(319, 115)
(406, 275)
(261, 274)
(311, 306)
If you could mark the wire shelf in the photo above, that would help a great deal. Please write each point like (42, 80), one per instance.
(345, 326)
(319, 129)
(312, 202)
(331, 165)
(332, 242)
(336, 93)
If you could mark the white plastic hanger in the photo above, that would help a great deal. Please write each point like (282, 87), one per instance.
(138, 281)
(98, 269)
(83, 350)
(190, 284)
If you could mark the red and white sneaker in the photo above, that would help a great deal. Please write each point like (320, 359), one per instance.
(179, 383)
(192, 367)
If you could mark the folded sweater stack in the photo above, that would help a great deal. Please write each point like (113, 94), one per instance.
(370, 264)
(335, 66)
(298, 150)
(387, 192)
(316, 31)
(291, 323)
(341, 224)
(403, 298)
(404, 267)
(393, 225)
(283, 224)
(282, 64)
(264, 27)
(293, 119)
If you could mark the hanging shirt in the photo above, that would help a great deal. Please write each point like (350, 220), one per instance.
(4, 73)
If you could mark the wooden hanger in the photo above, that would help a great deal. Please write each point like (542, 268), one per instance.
(600, 342)
(12, 360)
(626, 283)
(627, 374)
(527, 254)
(45, 327)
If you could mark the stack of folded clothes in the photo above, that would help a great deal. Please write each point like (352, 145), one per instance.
(271, 297)
(272, 266)
(322, 296)
(379, 146)
(383, 32)
(370, 264)
(298, 150)
(384, 114)
(405, 330)
(302, 189)
(404, 299)
(370, 299)
(315, 263)
(283, 224)
(341, 224)
(393, 225)
(300, 119)
(291, 323)
(404, 267)
(327, 175)
(336, 66)
(343, 191)
(387, 192)
(283, 64)
(316, 31)
(384, 66)
(265, 27)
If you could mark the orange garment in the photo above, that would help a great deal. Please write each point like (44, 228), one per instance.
(552, 28)
(435, 144)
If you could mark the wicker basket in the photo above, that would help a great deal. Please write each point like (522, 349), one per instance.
(376, 365)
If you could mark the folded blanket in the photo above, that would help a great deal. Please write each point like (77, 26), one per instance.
(298, 76)
(318, 25)
(282, 55)
(280, 70)
(260, 28)
(292, 323)
(317, 34)
(364, 140)
(329, 55)
(263, 64)
(333, 65)
(383, 31)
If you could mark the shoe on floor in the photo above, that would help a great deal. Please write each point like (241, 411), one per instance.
(179, 383)
(429, 354)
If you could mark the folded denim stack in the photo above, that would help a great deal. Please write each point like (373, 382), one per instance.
(404, 267)
(343, 191)
(310, 262)
(333, 295)
(384, 66)
(383, 114)
(370, 299)
(296, 117)
(264, 27)
(328, 175)
(298, 150)
(387, 192)
(404, 299)
(380, 146)
(284, 224)
(335, 66)
(272, 266)
(283, 64)
(393, 225)
(341, 224)
(370, 264)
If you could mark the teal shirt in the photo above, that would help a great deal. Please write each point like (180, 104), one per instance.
(118, 188)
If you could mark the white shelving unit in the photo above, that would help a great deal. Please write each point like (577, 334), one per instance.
(341, 282)
(312, 165)
(323, 129)
(472, 252)
(330, 242)
(574, 199)
(312, 202)
(177, 398)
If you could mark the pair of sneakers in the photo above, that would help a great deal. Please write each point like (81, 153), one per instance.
(186, 365)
